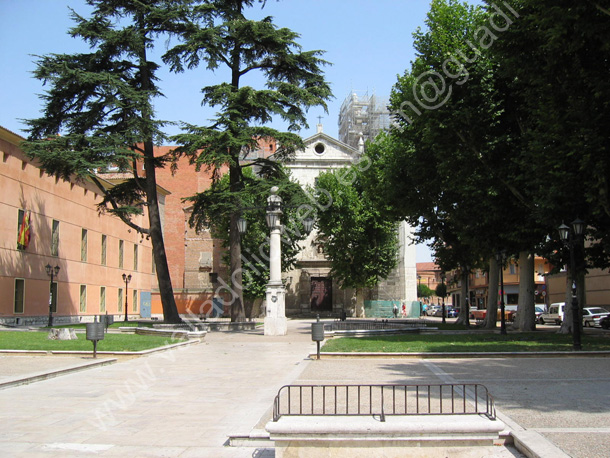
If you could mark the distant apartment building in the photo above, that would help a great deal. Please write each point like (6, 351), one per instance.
(478, 284)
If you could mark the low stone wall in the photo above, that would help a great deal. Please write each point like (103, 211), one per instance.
(398, 436)
(169, 333)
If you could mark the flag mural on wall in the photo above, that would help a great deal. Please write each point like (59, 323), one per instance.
(23, 239)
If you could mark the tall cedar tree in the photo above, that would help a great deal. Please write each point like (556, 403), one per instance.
(99, 112)
(294, 82)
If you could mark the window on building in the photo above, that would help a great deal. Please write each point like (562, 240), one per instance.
(83, 245)
(512, 299)
(512, 269)
(102, 299)
(153, 268)
(55, 238)
(121, 249)
(135, 257)
(120, 300)
(83, 298)
(103, 256)
(134, 302)
(19, 299)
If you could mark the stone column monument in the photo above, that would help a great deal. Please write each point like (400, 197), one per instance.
(275, 316)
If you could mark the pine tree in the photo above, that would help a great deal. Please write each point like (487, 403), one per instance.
(225, 38)
(99, 112)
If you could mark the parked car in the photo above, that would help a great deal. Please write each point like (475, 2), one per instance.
(604, 322)
(432, 309)
(439, 311)
(592, 315)
(554, 314)
(451, 312)
(539, 311)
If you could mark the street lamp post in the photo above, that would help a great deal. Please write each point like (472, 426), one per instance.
(126, 279)
(421, 308)
(501, 258)
(52, 272)
(275, 316)
(443, 298)
(570, 238)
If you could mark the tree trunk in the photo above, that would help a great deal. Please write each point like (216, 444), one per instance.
(491, 316)
(170, 311)
(166, 291)
(463, 317)
(526, 313)
(566, 324)
(237, 305)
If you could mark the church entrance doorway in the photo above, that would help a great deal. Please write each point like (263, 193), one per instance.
(321, 294)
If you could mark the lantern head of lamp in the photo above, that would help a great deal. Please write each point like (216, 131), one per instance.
(51, 270)
(564, 232)
(242, 225)
(578, 228)
(272, 217)
(127, 278)
(308, 224)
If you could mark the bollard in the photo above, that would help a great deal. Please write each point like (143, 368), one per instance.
(317, 333)
(95, 332)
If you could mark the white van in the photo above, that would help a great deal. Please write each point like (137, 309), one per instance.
(554, 314)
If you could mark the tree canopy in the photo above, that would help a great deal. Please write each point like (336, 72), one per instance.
(358, 235)
(99, 112)
(223, 37)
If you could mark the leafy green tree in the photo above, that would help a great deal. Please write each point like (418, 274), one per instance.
(225, 38)
(99, 112)
(555, 60)
(213, 209)
(448, 162)
(441, 290)
(424, 291)
(359, 237)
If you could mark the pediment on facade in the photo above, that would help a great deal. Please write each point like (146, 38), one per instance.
(324, 148)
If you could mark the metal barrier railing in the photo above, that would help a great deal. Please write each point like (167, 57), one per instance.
(363, 325)
(382, 400)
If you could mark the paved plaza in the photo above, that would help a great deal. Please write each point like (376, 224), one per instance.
(187, 402)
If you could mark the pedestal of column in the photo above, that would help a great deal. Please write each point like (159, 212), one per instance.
(275, 314)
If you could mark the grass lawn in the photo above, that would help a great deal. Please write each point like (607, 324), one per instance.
(116, 325)
(475, 342)
(37, 340)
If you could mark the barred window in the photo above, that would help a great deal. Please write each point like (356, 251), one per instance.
(103, 256)
(19, 298)
(83, 245)
(55, 238)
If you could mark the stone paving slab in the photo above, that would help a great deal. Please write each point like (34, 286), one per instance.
(23, 369)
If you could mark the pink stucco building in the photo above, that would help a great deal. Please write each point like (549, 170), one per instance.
(92, 250)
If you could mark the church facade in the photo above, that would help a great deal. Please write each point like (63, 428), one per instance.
(310, 287)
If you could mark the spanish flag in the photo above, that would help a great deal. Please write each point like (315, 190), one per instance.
(23, 240)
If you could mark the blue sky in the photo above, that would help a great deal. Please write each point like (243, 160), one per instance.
(368, 42)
